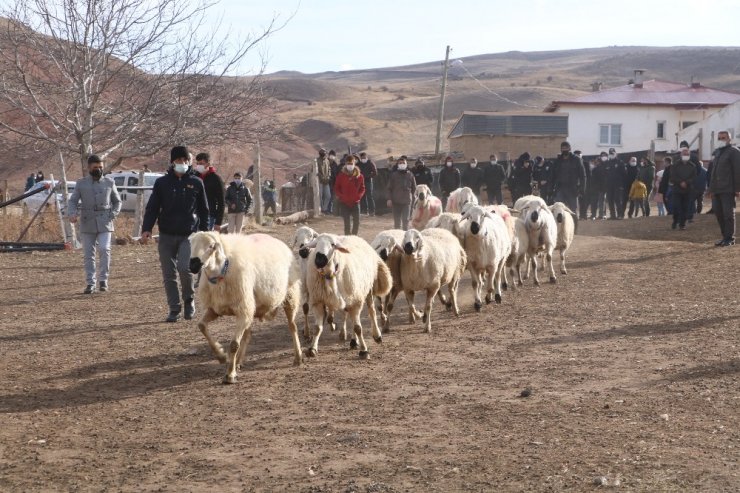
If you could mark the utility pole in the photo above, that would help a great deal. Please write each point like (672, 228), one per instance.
(258, 189)
(440, 116)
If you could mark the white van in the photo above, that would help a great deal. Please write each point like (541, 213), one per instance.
(127, 183)
(34, 201)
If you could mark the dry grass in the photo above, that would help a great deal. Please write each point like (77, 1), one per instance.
(46, 227)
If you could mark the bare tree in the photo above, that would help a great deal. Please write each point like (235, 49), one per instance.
(126, 78)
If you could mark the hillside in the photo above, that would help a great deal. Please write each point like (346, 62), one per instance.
(393, 110)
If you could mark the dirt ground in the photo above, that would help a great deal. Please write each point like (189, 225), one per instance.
(632, 363)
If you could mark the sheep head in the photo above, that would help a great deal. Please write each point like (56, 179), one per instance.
(384, 247)
(206, 251)
(412, 242)
(302, 237)
(326, 245)
(476, 215)
(422, 193)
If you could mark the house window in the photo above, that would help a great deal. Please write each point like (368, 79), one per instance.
(610, 134)
(686, 124)
(660, 133)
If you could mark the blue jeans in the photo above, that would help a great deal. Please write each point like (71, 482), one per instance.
(325, 191)
(211, 222)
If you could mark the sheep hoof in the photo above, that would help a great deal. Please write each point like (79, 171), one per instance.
(497, 297)
(553, 280)
(564, 272)
(221, 358)
(478, 305)
(448, 305)
(229, 379)
(364, 355)
(424, 318)
(488, 299)
(297, 361)
(342, 337)
(537, 283)
(305, 308)
(504, 286)
(378, 339)
(333, 327)
(311, 352)
(353, 344)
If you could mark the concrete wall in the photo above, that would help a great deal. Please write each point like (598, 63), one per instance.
(506, 147)
(703, 135)
(639, 126)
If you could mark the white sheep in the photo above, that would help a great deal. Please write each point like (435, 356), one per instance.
(247, 276)
(509, 220)
(487, 245)
(542, 233)
(451, 221)
(433, 258)
(302, 237)
(522, 202)
(344, 273)
(459, 198)
(566, 230)
(426, 206)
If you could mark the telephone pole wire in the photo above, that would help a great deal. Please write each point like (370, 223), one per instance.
(440, 116)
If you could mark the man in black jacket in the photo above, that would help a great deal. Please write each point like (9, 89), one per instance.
(568, 178)
(369, 172)
(615, 174)
(541, 177)
(473, 177)
(214, 186)
(238, 201)
(724, 186)
(422, 174)
(630, 175)
(178, 204)
(449, 180)
(494, 175)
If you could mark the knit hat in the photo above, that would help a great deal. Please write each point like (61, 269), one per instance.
(565, 143)
(94, 158)
(683, 144)
(179, 152)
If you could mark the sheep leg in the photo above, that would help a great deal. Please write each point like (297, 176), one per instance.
(243, 348)
(497, 275)
(443, 299)
(410, 303)
(372, 315)
(243, 326)
(475, 279)
(431, 293)
(533, 265)
(549, 262)
(527, 259)
(290, 306)
(562, 261)
(306, 326)
(354, 313)
(319, 312)
(452, 289)
(490, 281)
(208, 317)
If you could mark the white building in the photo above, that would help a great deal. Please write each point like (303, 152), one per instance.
(703, 135)
(639, 116)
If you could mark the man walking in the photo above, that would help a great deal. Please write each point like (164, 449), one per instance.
(238, 201)
(178, 205)
(349, 188)
(473, 178)
(214, 186)
(95, 203)
(615, 176)
(401, 186)
(369, 172)
(449, 180)
(683, 173)
(324, 173)
(724, 186)
(422, 174)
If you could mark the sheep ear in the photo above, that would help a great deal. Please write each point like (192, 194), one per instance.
(311, 244)
(342, 249)
(489, 215)
(514, 211)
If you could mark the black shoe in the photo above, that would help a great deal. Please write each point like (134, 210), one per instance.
(727, 243)
(173, 317)
(90, 289)
(103, 286)
(719, 242)
(189, 310)
(674, 226)
(682, 227)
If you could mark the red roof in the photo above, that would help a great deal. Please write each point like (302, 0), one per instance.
(656, 92)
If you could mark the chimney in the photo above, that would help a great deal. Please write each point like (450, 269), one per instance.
(638, 79)
(694, 83)
(596, 86)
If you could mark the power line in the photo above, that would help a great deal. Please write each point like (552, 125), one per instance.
(494, 92)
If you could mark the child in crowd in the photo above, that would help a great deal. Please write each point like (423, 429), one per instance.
(638, 193)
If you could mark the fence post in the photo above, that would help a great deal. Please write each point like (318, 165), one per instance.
(139, 209)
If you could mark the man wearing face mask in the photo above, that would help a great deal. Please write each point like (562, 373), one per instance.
(401, 186)
(449, 180)
(473, 178)
(178, 205)
(724, 186)
(369, 172)
(422, 174)
(568, 178)
(238, 200)
(630, 175)
(597, 187)
(541, 177)
(683, 173)
(349, 188)
(214, 186)
(494, 175)
(647, 176)
(615, 176)
(95, 203)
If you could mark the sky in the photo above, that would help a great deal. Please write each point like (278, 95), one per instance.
(334, 35)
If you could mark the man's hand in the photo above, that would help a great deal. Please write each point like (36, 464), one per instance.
(73, 219)
(146, 236)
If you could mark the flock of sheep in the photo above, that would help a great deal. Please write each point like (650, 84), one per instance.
(253, 276)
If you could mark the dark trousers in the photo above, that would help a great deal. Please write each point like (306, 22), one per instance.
(174, 257)
(723, 205)
(635, 205)
(495, 197)
(401, 214)
(614, 198)
(583, 205)
(625, 201)
(647, 201)
(368, 201)
(568, 198)
(350, 214)
(681, 202)
(697, 204)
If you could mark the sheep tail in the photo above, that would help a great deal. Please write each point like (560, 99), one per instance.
(383, 280)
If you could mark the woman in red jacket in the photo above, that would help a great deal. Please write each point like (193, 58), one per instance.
(349, 189)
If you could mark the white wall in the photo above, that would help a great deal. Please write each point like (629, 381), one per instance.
(639, 126)
(728, 118)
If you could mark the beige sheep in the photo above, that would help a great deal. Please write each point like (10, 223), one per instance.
(566, 230)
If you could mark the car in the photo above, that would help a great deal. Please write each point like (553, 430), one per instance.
(34, 202)
(127, 183)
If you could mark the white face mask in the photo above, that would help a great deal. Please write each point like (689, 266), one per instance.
(592, 166)
(633, 163)
(237, 181)
(721, 143)
(612, 156)
(200, 168)
(604, 158)
(181, 168)
(493, 161)
(402, 166)
(350, 167)
(473, 165)
(685, 158)
(332, 158)
(448, 163)
(363, 161)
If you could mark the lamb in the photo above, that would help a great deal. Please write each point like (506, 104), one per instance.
(426, 206)
(542, 232)
(488, 246)
(458, 198)
(433, 258)
(344, 273)
(302, 237)
(522, 202)
(566, 230)
(248, 276)
(509, 221)
(449, 221)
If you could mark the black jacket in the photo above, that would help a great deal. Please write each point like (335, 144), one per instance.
(178, 204)
(520, 180)
(568, 174)
(214, 186)
(368, 170)
(238, 198)
(615, 173)
(449, 180)
(597, 184)
(423, 175)
(473, 178)
(630, 175)
(494, 175)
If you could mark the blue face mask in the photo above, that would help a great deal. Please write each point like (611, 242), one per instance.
(181, 168)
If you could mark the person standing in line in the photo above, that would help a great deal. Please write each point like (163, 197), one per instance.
(369, 172)
(615, 176)
(449, 180)
(324, 173)
(422, 174)
(724, 186)
(269, 197)
(568, 178)
(473, 178)
(630, 175)
(495, 176)
(238, 201)
(178, 204)
(95, 204)
(647, 176)
(214, 186)
(401, 187)
(349, 189)
(683, 173)
(541, 177)
(520, 179)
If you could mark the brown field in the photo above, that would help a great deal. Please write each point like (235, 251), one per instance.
(632, 361)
